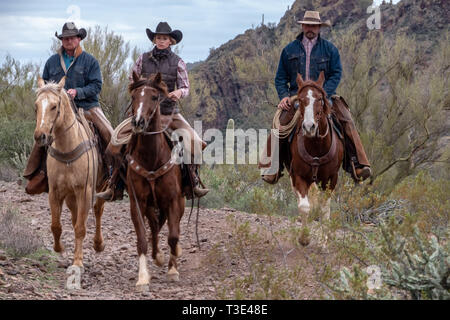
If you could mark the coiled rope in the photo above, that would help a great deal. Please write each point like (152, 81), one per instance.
(115, 140)
(285, 130)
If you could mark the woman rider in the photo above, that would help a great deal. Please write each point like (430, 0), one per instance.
(174, 74)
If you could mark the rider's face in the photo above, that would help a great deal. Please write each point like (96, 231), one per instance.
(162, 41)
(311, 30)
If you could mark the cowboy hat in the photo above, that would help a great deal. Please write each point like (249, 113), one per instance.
(70, 30)
(164, 28)
(313, 17)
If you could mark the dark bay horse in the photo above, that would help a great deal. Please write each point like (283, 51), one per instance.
(74, 166)
(317, 152)
(153, 177)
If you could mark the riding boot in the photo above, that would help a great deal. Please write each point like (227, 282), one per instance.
(355, 160)
(196, 186)
(272, 171)
(36, 171)
(116, 184)
(115, 188)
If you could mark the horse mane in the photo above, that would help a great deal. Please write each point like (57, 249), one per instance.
(310, 83)
(49, 86)
(161, 86)
(53, 87)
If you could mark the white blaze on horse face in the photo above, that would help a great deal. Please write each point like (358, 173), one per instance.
(139, 112)
(44, 107)
(308, 121)
(138, 116)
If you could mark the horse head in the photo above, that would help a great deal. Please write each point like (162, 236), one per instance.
(48, 110)
(146, 94)
(313, 104)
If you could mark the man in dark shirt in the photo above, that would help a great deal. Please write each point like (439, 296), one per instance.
(309, 55)
(83, 84)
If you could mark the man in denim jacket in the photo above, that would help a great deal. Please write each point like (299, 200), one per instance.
(83, 85)
(309, 55)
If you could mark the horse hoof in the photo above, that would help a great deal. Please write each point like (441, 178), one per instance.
(159, 261)
(59, 248)
(173, 275)
(304, 241)
(99, 247)
(142, 287)
(79, 267)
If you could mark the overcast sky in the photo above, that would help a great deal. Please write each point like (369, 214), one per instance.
(28, 27)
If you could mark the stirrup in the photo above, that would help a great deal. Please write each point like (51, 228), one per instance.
(363, 173)
(272, 178)
(107, 195)
(200, 192)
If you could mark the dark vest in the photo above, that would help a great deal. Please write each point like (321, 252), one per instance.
(168, 68)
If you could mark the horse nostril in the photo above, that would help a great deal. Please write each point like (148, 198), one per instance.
(141, 123)
(313, 126)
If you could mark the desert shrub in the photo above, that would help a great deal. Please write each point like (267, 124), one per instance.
(15, 236)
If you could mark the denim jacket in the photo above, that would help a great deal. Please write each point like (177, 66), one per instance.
(83, 74)
(324, 57)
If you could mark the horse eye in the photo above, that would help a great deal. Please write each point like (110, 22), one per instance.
(53, 108)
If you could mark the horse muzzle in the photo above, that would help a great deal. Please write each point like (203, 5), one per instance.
(43, 139)
(309, 129)
(138, 126)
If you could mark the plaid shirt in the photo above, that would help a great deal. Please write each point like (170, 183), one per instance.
(308, 44)
(182, 75)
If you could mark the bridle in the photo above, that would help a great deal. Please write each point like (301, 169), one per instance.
(148, 121)
(320, 115)
(58, 113)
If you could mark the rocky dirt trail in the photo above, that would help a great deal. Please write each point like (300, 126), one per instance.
(111, 274)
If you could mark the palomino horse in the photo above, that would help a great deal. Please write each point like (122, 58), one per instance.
(317, 152)
(153, 178)
(73, 165)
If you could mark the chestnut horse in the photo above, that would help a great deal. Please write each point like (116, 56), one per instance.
(74, 167)
(316, 150)
(153, 178)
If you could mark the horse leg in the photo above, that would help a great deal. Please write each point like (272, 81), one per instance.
(55, 208)
(71, 202)
(174, 218)
(157, 255)
(99, 245)
(139, 227)
(83, 206)
(301, 190)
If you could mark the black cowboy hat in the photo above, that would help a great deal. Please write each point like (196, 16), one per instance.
(164, 28)
(70, 30)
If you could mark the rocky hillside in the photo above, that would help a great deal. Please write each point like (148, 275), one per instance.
(236, 80)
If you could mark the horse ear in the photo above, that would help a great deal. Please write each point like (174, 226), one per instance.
(321, 79)
(40, 82)
(158, 78)
(135, 76)
(299, 80)
(61, 83)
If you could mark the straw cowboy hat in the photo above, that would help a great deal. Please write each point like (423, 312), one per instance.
(313, 17)
(164, 28)
(70, 30)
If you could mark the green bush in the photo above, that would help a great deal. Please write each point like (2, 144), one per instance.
(16, 138)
